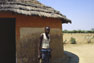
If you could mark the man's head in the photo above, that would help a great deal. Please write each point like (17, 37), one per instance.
(47, 30)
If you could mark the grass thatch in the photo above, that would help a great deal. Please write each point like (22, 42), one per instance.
(32, 7)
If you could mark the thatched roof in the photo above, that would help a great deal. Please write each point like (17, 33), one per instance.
(31, 7)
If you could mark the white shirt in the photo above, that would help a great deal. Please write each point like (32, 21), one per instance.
(45, 41)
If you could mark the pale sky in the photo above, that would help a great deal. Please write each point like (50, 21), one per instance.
(81, 12)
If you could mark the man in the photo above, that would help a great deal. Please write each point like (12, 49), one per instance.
(44, 51)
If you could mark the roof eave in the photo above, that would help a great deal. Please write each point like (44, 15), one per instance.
(66, 21)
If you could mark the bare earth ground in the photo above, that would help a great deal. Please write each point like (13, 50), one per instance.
(85, 52)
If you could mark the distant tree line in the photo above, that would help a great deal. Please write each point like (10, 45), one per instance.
(78, 31)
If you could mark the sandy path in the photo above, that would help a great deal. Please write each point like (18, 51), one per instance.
(84, 52)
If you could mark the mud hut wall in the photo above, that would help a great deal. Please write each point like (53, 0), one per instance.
(39, 22)
(31, 21)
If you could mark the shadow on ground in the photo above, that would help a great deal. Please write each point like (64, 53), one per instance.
(73, 58)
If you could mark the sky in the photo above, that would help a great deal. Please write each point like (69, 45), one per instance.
(80, 12)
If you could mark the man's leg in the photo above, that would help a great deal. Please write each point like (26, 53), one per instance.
(46, 58)
(43, 57)
(49, 55)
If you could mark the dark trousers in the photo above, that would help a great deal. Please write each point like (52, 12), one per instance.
(45, 55)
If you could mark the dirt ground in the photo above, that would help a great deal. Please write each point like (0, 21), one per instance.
(85, 52)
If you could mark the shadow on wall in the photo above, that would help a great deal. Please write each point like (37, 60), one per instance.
(27, 48)
(72, 57)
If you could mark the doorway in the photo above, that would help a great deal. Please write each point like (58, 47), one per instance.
(7, 40)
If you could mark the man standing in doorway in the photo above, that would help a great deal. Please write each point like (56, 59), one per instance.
(44, 51)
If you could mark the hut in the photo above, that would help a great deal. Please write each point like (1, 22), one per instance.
(23, 18)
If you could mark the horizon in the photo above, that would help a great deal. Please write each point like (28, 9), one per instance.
(80, 12)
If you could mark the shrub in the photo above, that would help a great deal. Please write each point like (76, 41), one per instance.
(73, 40)
(64, 41)
(89, 41)
(78, 31)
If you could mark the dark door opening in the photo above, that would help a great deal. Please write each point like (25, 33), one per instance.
(7, 40)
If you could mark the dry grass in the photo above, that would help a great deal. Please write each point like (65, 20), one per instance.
(81, 38)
